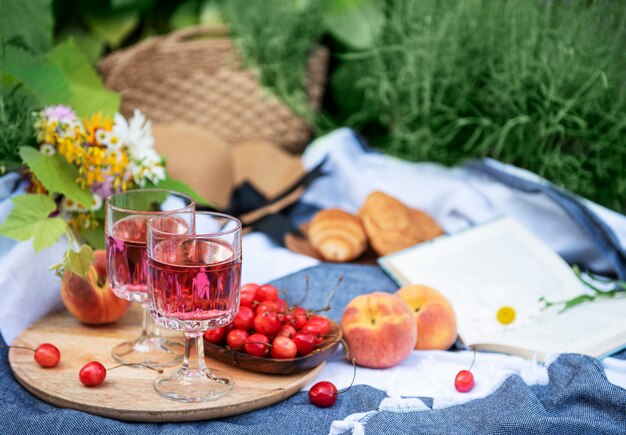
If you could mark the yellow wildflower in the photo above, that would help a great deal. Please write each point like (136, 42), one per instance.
(97, 122)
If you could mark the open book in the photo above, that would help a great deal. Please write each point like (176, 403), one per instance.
(501, 264)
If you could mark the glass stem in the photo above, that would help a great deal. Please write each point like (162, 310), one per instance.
(194, 352)
(149, 329)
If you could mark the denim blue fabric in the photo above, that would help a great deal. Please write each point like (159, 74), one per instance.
(603, 237)
(578, 399)
(20, 412)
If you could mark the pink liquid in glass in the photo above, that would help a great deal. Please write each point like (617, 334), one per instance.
(195, 283)
(126, 256)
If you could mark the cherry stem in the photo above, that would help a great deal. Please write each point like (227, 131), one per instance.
(306, 291)
(473, 359)
(18, 347)
(156, 369)
(332, 293)
(353, 361)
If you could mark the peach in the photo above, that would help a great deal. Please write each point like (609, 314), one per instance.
(379, 329)
(92, 301)
(434, 317)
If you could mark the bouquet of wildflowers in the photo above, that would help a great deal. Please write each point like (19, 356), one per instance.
(111, 155)
(78, 164)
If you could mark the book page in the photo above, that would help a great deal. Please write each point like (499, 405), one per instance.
(502, 264)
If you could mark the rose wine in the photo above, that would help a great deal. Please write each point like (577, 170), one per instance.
(194, 283)
(126, 255)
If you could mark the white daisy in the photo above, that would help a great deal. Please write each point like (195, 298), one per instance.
(135, 134)
(47, 150)
(96, 203)
(69, 205)
(507, 311)
(102, 137)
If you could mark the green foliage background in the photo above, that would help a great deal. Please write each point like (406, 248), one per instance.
(538, 84)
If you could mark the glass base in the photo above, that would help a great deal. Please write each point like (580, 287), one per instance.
(193, 386)
(150, 351)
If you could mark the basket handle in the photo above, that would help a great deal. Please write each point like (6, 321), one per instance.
(197, 32)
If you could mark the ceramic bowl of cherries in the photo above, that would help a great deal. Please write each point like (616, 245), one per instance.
(269, 336)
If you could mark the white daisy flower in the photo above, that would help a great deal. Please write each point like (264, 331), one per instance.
(69, 205)
(47, 150)
(96, 203)
(507, 313)
(102, 137)
(135, 134)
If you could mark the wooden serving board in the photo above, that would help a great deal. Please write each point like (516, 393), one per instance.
(127, 392)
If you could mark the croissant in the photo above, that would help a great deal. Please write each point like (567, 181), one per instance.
(427, 226)
(337, 235)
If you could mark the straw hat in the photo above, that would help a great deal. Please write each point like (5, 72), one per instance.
(214, 168)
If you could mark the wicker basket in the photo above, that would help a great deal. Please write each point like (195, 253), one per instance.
(195, 76)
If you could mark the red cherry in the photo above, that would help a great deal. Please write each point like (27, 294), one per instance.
(257, 345)
(304, 342)
(322, 322)
(299, 317)
(284, 348)
(215, 336)
(244, 318)
(266, 292)
(464, 381)
(236, 338)
(47, 355)
(93, 373)
(314, 329)
(265, 307)
(246, 299)
(267, 323)
(323, 394)
(249, 288)
(286, 331)
(281, 305)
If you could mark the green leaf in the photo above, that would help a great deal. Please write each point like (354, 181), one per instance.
(185, 15)
(179, 186)
(210, 13)
(113, 27)
(88, 93)
(29, 219)
(39, 76)
(93, 236)
(355, 23)
(29, 22)
(56, 175)
(90, 46)
(79, 263)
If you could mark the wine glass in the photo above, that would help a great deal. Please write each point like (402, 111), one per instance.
(193, 286)
(127, 214)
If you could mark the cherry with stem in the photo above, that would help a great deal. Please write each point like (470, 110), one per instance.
(46, 355)
(464, 380)
(324, 394)
(94, 373)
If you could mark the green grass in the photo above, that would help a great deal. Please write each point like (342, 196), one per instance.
(538, 84)
(277, 37)
(16, 129)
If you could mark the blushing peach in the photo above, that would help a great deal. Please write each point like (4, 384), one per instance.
(380, 330)
(434, 317)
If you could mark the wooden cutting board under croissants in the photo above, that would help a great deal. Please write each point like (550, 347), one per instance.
(384, 225)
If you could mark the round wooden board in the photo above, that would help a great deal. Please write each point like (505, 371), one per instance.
(127, 392)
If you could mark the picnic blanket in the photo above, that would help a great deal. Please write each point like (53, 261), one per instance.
(572, 396)
(572, 393)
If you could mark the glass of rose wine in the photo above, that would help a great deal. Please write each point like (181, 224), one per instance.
(193, 286)
(127, 215)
